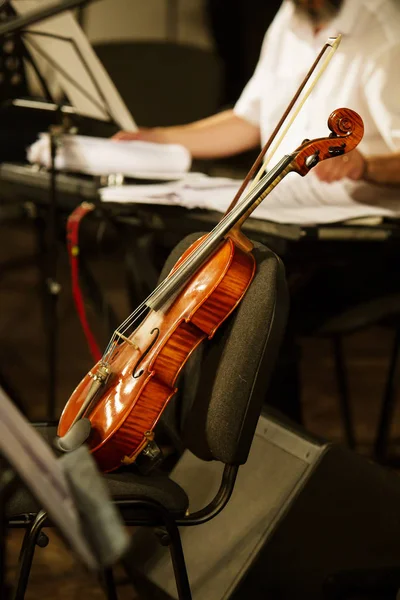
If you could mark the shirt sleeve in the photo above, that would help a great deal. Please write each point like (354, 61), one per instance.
(382, 93)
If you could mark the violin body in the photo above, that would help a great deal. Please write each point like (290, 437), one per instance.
(145, 367)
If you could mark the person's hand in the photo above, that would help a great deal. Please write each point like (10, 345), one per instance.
(146, 134)
(351, 165)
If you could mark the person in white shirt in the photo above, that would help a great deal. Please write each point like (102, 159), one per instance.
(363, 75)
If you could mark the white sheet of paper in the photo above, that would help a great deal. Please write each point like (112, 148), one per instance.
(38, 467)
(102, 156)
(72, 54)
(296, 200)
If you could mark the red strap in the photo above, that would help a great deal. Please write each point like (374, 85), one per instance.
(73, 224)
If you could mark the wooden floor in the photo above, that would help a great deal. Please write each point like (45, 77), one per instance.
(23, 365)
(56, 574)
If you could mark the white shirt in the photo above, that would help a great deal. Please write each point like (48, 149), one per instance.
(363, 75)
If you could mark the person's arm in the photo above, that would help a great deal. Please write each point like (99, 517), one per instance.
(384, 169)
(224, 134)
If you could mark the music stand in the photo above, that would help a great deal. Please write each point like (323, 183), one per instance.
(99, 539)
(58, 42)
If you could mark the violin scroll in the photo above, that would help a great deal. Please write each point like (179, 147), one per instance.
(347, 130)
(344, 121)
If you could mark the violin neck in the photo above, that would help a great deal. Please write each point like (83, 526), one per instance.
(266, 189)
(234, 219)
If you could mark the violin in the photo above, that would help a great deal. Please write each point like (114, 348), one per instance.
(116, 406)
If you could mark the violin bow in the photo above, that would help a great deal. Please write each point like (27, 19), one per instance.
(331, 45)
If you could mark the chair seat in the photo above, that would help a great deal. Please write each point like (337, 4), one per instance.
(122, 485)
(159, 488)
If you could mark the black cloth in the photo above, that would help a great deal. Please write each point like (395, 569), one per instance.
(238, 28)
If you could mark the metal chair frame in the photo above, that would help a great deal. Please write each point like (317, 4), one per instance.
(34, 523)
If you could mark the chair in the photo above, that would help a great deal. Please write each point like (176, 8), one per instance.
(215, 419)
(382, 311)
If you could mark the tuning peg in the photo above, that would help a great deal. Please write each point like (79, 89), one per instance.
(336, 150)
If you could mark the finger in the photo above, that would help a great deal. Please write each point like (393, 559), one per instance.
(341, 168)
(319, 169)
(119, 135)
(125, 135)
(322, 171)
(356, 170)
(327, 170)
(334, 173)
(330, 174)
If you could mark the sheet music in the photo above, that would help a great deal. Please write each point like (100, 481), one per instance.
(296, 200)
(102, 156)
(72, 54)
(38, 467)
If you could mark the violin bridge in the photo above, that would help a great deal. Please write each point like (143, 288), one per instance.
(123, 337)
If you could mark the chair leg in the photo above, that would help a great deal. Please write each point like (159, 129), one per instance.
(109, 584)
(388, 403)
(174, 543)
(31, 539)
(179, 565)
(343, 389)
(26, 557)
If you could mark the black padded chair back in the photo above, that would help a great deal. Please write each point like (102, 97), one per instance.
(164, 83)
(225, 381)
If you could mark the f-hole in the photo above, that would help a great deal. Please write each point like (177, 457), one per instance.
(135, 375)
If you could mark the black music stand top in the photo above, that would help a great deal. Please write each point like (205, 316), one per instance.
(66, 64)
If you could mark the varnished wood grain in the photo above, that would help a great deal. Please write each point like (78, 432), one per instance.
(130, 407)
(129, 439)
(348, 128)
(176, 351)
(227, 295)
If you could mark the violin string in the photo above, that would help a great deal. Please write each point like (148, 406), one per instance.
(124, 327)
(141, 309)
(145, 305)
(332, 44)
(242, 198)
(197, 252)
(232, 215)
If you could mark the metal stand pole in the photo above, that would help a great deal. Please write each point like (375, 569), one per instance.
(53, 286)
(7, 483)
